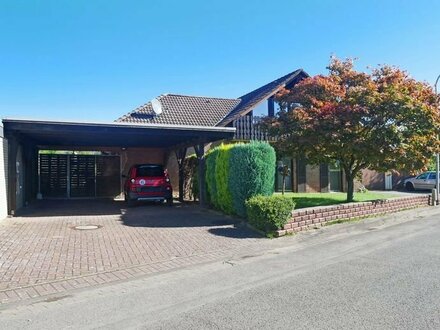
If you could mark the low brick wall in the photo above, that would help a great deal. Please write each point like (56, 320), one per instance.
(313, 217)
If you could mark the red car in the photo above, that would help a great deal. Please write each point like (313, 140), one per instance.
(148, 182)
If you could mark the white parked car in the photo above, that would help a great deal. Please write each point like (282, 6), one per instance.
(422, 181)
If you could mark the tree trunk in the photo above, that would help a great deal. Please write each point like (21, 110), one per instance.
(284, 185)
(350, 186)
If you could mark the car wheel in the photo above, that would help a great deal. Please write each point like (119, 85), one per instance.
(128, 201)
(409, 186)
(169, 201)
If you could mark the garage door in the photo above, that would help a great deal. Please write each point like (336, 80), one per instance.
(73, 176)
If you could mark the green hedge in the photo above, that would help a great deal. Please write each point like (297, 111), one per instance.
(211, 186)
(251, 173)
(269, 213)
(237, 172)
(224, 197)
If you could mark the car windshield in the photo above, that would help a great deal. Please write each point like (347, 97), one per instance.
(149, 170)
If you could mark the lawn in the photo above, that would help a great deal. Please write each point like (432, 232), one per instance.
(303, 200)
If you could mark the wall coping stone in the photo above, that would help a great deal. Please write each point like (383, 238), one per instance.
(301, 218)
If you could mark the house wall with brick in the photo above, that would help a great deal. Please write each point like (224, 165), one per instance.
(133, 156)
(313, 183)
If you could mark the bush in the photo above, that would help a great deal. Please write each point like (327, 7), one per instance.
(191, 179)
(251, 173)
(224, 197)
(211, 187)
(269, 213)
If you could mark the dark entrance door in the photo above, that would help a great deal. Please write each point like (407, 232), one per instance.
(335, 177)
(79, 176)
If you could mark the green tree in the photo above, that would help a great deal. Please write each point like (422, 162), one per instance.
(382, 120)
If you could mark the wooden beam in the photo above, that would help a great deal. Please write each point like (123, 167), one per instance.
(271, 106)
(200, 153)
(12, 174)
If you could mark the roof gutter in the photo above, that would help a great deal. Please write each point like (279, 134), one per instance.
(122, 125)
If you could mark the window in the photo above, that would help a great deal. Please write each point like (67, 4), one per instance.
(432, 176)
(422, 176)
(149, 170)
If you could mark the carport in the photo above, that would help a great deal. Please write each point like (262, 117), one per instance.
(25, 138)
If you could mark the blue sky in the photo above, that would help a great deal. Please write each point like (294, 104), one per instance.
(96, 60)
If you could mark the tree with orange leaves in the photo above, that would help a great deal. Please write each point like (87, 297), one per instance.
(383, 120)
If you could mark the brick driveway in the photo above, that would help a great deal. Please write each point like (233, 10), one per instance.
(41, 253)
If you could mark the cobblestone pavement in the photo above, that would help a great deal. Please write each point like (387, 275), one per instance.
(42, 253)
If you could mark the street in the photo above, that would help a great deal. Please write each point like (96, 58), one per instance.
(380, 273)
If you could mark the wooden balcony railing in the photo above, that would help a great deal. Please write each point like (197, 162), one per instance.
(247, 129)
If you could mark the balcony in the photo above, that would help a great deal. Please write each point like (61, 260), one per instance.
(247, 129)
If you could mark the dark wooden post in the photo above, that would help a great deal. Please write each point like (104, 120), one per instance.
(30, 168)
(271, 107)
(12, 174)
(323, 177)
(200, 153)
(180, 155)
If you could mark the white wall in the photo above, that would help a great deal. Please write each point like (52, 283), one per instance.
(3, 175)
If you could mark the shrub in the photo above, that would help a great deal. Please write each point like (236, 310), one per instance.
(211, 187)
(224, 197)
(191, 182)
(251, 173)
(269, 213)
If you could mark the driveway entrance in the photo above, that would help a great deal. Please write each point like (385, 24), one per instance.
(57, 245)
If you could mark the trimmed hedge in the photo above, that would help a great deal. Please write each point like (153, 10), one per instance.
(251, 173)
(269, 213)
(224, 197)
(211, 185)
(237, 172)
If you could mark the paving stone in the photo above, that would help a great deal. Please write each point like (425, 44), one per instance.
(41, 253)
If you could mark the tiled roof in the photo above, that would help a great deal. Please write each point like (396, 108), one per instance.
(251, 100)
(183, 110)
(207, 111)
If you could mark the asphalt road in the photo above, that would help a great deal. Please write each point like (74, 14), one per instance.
(375, 274)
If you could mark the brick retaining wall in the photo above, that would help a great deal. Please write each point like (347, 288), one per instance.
(313, 217)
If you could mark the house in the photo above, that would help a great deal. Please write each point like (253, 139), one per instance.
(243, 113)
(55, 159)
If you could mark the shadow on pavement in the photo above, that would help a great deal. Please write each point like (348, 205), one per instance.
(149, 215)
(72, 207)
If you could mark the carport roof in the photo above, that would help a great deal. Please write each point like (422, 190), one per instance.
(114, 134)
